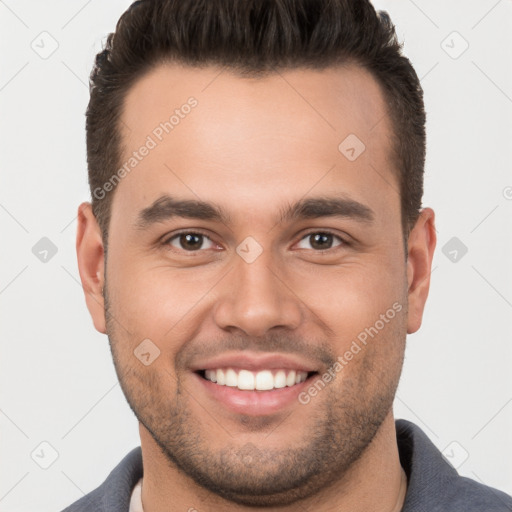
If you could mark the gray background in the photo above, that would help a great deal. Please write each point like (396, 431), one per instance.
(58, 385)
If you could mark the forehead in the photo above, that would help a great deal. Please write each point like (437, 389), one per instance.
(214, 135)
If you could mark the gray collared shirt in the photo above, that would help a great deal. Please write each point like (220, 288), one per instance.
(433, 485)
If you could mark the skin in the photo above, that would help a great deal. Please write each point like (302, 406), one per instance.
(254, 146)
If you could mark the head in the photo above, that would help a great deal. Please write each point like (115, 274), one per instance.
(253, 39)
(256, 171)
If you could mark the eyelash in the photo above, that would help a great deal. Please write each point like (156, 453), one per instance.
(344, 242)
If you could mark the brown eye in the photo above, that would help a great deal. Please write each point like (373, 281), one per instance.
(320, 241)
(189, 241)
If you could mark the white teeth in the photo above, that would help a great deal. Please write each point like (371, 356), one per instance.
(300, 377)
(231, 377)
(221, 379)
(245, 380)
(280, 379)
(290, 379)
(262, 381)
(211, 375)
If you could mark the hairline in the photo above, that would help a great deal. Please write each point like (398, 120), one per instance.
(246, 72)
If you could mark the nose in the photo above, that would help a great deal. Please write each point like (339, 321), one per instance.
(256, 298)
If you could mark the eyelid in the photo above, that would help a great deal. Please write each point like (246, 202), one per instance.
(194, 231)
(198, 231)
(344, 239)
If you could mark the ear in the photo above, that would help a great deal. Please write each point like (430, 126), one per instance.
(90, 255)
(421, 245)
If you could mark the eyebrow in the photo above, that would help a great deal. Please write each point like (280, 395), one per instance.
(167, 207)
(328, 207)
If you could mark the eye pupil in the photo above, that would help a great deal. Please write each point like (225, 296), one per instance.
(191, 241)
(318, 240)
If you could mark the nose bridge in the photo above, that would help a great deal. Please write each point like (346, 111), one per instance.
(256, 299)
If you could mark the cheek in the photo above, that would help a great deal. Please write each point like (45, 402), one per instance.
(159, 303)
(351, 296)
(363, 307)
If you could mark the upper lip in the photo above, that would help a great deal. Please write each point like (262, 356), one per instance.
(255, 362)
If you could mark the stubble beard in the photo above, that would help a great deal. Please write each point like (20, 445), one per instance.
(344, 420)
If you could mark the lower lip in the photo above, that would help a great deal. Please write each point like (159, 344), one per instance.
(254, 403)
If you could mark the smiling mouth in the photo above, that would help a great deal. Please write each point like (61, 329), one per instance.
(263, 380)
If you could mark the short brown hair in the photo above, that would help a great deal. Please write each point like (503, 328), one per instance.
(252, 38)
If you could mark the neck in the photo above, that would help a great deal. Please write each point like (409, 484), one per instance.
(374, 483)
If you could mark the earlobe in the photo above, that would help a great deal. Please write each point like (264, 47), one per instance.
(90, 255)
(421, 246)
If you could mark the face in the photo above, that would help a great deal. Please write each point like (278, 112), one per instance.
(257, 242)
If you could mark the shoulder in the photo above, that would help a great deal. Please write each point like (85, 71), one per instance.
(113, 495)
(434, 485)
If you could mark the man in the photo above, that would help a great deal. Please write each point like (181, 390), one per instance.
(257, 252)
